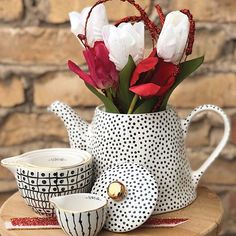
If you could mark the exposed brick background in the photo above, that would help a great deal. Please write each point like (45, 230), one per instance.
(35, 44)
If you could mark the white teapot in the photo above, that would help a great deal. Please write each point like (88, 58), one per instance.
(154, 140)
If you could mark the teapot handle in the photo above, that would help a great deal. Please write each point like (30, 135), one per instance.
(197, 174)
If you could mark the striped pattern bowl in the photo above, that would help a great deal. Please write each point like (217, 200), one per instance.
(80, 214)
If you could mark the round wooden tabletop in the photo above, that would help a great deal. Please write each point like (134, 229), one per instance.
(204, 214)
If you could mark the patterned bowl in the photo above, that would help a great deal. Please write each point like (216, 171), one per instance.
(47, 173)
(80, 214)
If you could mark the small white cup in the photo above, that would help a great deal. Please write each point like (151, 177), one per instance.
(80, 214)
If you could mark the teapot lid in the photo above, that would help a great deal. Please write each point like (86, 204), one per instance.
(131, 193)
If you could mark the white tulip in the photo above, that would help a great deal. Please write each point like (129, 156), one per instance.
(97, 20)
(124, 40)
(173, 37)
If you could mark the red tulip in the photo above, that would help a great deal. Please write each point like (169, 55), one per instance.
(153, 77)
(102, 72)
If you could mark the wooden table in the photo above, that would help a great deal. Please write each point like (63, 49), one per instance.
(205, 216)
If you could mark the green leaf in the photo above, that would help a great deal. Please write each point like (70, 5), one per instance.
(110, 107)
(146, 106)
(186, 69)
(124, 96)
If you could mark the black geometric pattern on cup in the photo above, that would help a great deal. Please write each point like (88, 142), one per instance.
(139, 202)
(38, 187)
(80, 224)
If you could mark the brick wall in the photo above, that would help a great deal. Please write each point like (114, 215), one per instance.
(35, 45)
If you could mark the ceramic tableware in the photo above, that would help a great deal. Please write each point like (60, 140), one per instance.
(80, 214)
(154, 140)
(45, 173)
(131, 193)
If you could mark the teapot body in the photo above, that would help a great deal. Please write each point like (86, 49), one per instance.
(155, 141)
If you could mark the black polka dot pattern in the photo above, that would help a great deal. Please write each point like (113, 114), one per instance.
(140, 199)
(153, 140)
(77, 128)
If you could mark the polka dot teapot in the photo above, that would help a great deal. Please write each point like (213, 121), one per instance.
(154, 140)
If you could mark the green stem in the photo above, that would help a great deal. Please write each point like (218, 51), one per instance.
(109, 95)
(133, 103)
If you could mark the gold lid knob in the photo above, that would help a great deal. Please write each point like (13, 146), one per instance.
(116, 191)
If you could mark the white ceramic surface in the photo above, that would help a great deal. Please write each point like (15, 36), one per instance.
(46, 173)
(139, 202)
(80, 214)
(154, 140)
(52, 159)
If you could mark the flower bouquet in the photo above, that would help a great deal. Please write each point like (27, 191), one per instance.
(118, 73)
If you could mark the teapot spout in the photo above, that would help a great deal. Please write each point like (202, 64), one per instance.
(76, 127)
